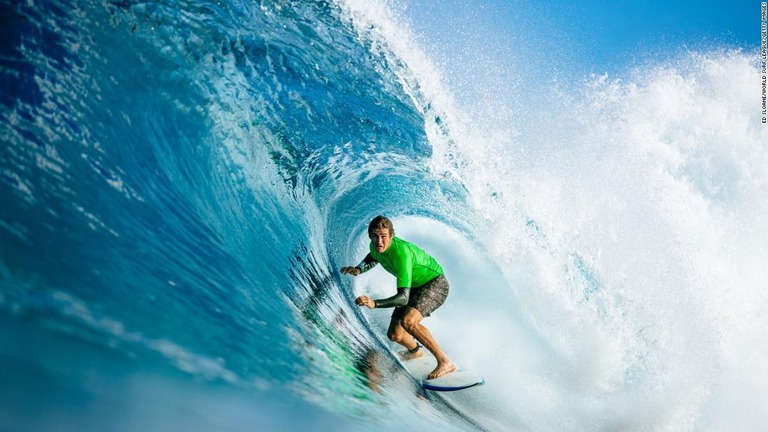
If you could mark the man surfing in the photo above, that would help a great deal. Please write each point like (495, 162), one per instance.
(421, 289)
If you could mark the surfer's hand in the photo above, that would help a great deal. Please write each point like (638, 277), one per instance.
(354, 271)
(365, 301)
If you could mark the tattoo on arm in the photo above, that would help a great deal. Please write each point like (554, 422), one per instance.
(367, 263)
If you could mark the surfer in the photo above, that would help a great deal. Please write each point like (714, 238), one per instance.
(421, 289)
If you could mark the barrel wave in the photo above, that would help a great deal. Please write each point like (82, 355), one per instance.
(181, 181)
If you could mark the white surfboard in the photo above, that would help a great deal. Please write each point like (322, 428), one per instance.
(460, 379)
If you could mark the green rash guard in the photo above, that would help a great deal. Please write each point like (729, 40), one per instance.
(407, 262)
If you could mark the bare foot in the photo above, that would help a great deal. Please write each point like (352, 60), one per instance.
(443, 368)
(407, 355)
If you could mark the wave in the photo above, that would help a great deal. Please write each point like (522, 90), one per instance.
(181, 182)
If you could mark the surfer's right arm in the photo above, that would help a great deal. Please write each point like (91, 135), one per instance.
(366, 264)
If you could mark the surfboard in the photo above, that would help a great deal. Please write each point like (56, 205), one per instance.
(460, 379)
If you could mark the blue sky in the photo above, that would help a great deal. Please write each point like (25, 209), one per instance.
(600, 35)
(617, 28)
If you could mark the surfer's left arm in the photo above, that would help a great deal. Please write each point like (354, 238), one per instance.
(399, 299)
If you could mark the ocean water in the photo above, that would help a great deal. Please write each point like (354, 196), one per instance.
(180, 182)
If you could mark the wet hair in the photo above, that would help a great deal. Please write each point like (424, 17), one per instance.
(380, 222)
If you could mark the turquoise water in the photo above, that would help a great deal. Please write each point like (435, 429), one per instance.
(181, 181)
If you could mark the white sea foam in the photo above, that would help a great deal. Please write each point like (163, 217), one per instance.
(627, 219)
